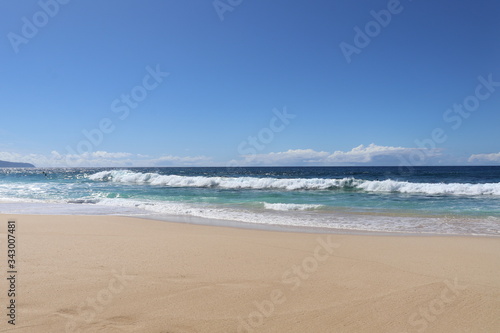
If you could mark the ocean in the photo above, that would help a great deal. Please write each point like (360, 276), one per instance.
(423, 200)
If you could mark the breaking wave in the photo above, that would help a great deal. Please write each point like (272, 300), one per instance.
(290, 184)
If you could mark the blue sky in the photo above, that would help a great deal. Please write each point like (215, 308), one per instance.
(160, 83)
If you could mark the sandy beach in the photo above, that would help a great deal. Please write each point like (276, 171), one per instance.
(117, 274)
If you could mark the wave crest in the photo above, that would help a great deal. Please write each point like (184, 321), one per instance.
(126, 176)
(290, 184)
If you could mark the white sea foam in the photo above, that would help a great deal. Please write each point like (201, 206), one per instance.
(431, 188)
(126, 176)
(288, 206)
(274, 216)
(306, 218)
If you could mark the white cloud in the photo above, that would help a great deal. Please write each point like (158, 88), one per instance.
(289, 157)
(485, 158)
(103, 159)
(361, 155)
(185, 160)
(105, 154)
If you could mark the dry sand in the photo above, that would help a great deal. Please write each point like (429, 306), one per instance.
(116, 274)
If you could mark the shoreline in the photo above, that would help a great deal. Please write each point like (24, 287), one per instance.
(195, 220)
(78, 209)
(125, 274)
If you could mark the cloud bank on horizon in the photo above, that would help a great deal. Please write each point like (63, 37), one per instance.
(370, 155)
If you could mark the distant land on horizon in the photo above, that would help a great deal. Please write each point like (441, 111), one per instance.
(6, 164)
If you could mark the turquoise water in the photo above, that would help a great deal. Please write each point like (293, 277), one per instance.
(445, 200)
